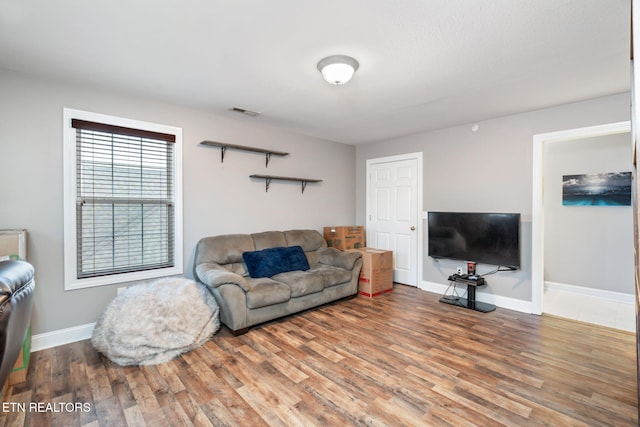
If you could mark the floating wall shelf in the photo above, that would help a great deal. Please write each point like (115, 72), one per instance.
(224, 146)
(268, 179)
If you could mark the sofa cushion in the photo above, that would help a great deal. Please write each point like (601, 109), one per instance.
(331, 276)
(338, 258)
(269, 239)
(309, 240)
(265, 291)
(301, 282)
(223, 250)
(271, 261)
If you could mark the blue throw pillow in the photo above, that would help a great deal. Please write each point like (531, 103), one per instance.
(269, 262)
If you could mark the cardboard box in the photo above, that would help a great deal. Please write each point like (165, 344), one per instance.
(19, 372)
(376, 276)
(13, 244)
(345, 237)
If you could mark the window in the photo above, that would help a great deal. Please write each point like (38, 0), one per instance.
(123, 201)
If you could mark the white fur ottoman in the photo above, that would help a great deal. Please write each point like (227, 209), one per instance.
(154, 322)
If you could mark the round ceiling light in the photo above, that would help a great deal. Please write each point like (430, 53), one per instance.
(338, 69)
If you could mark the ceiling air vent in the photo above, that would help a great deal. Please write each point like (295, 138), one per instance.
(245, 111)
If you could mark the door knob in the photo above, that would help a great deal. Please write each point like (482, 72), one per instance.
(413, 228)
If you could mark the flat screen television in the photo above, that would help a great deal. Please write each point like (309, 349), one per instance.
(487, 238)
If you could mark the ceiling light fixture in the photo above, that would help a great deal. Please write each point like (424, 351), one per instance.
(338, 69)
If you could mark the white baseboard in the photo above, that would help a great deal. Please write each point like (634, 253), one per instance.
(61, 337)
(497, 300)
(591, 292)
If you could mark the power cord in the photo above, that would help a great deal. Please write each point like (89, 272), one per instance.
(499, 268)
(454, 292)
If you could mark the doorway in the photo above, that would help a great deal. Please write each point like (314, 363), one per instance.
(394, 205)
(539, 141)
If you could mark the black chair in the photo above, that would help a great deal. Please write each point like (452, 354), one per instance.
(16, 301)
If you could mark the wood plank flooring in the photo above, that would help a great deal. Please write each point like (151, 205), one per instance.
(400, 359)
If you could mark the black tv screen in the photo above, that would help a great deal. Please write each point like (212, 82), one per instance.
(487, 238)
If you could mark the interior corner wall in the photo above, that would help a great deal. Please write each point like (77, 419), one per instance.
(587, 246)
(219, 198)
(487, 170)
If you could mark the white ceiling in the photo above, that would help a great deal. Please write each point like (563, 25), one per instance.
(424, 64)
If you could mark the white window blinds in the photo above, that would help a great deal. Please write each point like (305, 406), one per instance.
(125, 203)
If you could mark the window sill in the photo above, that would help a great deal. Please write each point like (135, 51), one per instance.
(72, 284)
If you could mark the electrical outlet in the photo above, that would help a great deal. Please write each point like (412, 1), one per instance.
(459, 271)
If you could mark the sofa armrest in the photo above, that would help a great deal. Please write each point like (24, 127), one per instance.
(214, 275)
(338, 258)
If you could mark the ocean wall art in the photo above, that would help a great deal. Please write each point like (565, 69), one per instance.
(599, 189)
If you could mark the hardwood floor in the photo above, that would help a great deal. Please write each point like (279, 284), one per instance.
(400, 359)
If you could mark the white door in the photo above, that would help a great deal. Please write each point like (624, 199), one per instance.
(392, 212)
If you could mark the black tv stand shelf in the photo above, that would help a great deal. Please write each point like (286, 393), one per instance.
(467, 279)
(472, 282)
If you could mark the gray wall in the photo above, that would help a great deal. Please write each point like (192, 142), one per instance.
(487, 170)
(588, 246)
(218, 198)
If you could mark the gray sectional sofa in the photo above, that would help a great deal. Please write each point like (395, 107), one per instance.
(292, 271)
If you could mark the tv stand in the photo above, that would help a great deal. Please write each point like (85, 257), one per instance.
(470, 302)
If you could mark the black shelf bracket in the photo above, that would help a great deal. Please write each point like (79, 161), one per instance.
(223, 149)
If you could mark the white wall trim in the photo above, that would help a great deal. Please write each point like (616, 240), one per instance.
(71, 279)
(61, 337)
(591, 292)
(497, 300)
(418, 156)
(537, 226)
